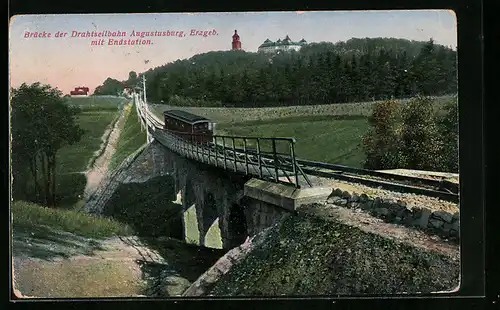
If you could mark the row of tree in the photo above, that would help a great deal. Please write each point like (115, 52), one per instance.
(42, 123)
(356, 70)
(416, 135)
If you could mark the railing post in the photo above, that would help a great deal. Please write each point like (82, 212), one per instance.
(202, 145)
(292, 158)
(224, 151)
(191, 142)
(275, 160)
(234, 155)
(197, 148)
(258, 157)
(246, 156)
(183, 143)
(208, 152)
(216, 156)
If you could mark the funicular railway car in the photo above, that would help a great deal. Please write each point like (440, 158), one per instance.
(188, 126)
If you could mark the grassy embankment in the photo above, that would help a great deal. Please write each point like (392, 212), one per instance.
(313, 256)
(33, 217)
(327, 133)
(132, 137)
(95, 117)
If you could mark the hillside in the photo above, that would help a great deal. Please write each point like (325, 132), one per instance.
(311, 255)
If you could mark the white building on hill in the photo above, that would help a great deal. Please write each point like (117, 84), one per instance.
(281, 45)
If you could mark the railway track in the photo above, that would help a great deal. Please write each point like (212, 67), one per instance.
(441, 189)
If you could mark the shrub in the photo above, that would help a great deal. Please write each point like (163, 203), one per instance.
(413, 135)
(421, 144)
(382, 141)
(448, 128)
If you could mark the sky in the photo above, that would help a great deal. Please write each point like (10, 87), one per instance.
(69, 62)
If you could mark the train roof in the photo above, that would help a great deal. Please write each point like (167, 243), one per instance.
(185, 116)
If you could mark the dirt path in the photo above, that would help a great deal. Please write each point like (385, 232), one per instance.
(368, 223)
(115, 267)
(101, 165)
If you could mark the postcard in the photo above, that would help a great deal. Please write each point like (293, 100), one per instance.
(310, 153)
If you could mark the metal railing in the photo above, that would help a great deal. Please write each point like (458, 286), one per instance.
(266, 158)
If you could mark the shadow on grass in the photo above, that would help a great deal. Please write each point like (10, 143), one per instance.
(148, 208)
(190, 261)
(43, 242)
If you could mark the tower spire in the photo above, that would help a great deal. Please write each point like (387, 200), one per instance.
(236, 44)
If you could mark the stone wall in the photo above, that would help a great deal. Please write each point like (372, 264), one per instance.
(261, 215)
(441, 223)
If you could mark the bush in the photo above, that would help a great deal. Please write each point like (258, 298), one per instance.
(448, 127)
(381, 144)
(413, 135)
(421, 143)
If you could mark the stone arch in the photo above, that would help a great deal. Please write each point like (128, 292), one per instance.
(237, 225)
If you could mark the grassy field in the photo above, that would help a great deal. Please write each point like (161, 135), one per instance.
(131, 138)
(328, 133)
(32, 217)
(96, 116)
(97, 103)
(320, 138)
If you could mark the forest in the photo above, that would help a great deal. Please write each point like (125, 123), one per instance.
(320, 73)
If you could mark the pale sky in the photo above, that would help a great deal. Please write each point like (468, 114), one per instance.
(70, 62)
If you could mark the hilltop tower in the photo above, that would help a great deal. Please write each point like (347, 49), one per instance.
(236, 44)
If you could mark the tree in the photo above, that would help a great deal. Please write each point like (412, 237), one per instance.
(132, 76)
(420, 142)
(42, 123)
(381, 144)
(110, 87)
(358, 69)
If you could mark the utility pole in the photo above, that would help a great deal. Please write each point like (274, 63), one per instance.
(144, 87)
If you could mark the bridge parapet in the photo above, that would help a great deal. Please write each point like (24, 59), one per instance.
(284, 196)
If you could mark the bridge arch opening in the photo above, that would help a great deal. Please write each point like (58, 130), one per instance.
(237, 225)
(212, 237)
(209, 210)
(190, 220)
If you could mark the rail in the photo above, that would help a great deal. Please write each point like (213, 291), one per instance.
(433, 188)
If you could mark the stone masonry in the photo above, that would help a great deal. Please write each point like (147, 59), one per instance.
(441, 223)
